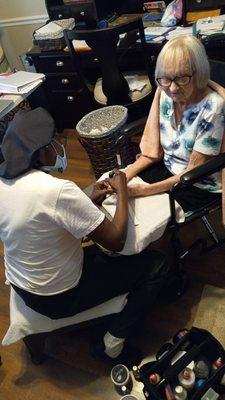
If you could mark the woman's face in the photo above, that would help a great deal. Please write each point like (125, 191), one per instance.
(179, 86)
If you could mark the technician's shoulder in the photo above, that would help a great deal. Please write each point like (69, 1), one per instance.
(50, 186)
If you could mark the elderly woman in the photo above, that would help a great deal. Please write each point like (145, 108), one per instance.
(185, 126)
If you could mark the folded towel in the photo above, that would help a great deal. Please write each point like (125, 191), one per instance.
(147, 218)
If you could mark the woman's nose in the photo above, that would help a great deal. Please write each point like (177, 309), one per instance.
(174, 87)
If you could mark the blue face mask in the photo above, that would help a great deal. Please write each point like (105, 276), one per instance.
(60, 162)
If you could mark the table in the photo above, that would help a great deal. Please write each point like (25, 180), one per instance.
(17, 99)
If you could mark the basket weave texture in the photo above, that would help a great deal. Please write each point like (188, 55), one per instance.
(102, 146)
(53, 40)
(51, 44)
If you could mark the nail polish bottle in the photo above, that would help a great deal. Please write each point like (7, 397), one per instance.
(201, 369)
(217, 364)
(154, 379)
(136, 372)
(180, 393)
(187, 378)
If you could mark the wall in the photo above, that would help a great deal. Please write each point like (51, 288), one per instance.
(18, 20)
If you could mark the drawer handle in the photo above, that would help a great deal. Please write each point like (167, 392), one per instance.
(65, 81)
(70, 98)
(59, 63)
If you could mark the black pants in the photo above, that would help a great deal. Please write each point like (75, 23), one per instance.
(103, 278)
(190, 198)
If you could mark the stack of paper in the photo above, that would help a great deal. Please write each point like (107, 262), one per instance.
(20, 82)
(156, 33)
(208, 27)
(179, 31)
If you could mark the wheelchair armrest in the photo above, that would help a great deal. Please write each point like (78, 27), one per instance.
(214, 165)
(135, 127)
(208, 168)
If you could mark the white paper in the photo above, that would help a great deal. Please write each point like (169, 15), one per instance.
(19, 81)
(24, 90)
(157, 30)
(179, 31)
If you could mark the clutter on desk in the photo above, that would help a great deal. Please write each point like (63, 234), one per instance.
(197, 373)
(173, 13)
(179, 31)
(50, 36)
(20, 82)
(154, 7)
(209, 26)
(152, 17)
(156, 34)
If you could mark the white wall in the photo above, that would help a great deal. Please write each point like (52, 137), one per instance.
(18, 20)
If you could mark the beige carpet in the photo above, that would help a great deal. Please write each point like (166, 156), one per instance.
(211, 312)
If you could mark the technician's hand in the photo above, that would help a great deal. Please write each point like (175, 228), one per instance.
(118, 182)
(100, 190)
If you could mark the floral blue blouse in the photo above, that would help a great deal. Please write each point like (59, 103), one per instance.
(201, 129)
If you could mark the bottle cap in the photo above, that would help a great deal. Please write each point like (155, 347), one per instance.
(154, 378)
(186, 374)
(218, 363)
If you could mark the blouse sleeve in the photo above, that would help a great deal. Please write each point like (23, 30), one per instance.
(210, 131)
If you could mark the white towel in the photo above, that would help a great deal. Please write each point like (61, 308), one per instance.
(147, 220)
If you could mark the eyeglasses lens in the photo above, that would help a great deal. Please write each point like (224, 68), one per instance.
(179, 80)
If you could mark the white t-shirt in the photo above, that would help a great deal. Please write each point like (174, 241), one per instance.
(42, 221)
(201, 129)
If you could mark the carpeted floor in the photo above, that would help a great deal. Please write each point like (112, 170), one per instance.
(211, 312)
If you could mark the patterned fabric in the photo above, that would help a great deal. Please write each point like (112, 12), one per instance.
(201, 129)
(173, 13)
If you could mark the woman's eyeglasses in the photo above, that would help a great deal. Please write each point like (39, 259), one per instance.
(179, 80)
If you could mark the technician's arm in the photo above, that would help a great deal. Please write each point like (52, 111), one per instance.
(112, 234)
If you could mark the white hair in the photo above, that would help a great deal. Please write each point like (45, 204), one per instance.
(190, 50)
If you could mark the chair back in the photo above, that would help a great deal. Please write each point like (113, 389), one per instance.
(217, 71)
(103, 42)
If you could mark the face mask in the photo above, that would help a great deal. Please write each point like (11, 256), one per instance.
(60, 162)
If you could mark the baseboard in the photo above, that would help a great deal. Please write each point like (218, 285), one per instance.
(29, 20)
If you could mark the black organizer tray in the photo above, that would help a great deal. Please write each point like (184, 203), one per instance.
(197, 343)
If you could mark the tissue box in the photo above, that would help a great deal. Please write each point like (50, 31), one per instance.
(50, 36)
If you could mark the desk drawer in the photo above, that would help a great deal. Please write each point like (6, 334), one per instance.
(54, 63)
(69, 107)
(66, 81)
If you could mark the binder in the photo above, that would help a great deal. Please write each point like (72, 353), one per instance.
(20, 82)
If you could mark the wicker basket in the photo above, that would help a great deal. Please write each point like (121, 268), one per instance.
(53, 41)
(50, 44)
(99, 132)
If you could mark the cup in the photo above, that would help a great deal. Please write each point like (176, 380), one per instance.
(120, 376)
(129, 397)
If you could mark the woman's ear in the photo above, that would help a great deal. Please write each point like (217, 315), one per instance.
(47, 155)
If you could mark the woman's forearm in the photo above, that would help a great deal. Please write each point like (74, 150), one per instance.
(139, 165)
(163, 186)
(148, 189)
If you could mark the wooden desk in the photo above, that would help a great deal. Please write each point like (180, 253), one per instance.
(62, 94)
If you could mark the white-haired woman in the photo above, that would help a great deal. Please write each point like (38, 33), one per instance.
(190, 125)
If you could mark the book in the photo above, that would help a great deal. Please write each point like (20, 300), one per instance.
(20, 82)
